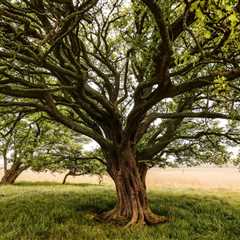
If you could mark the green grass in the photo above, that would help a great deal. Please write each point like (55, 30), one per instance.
(55, 212)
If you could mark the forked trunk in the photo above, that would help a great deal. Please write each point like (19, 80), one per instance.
(11, 174)
(132, 203)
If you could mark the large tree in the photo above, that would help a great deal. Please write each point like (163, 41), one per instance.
(133, 76)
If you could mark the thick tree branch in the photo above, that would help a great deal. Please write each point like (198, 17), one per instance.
(211, 115)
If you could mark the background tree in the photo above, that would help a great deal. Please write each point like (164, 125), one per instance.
(131, 76)
(70, 158)
(19, 138)
(34, 143)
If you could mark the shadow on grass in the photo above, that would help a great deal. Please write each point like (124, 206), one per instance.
(46, 183)
(68, 213)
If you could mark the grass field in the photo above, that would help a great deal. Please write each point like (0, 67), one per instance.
(34, 211)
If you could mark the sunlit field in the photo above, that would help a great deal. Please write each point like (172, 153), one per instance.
(44, 210)
(53, 211)
(205, 178)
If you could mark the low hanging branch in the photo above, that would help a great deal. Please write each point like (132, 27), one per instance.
(211, 115)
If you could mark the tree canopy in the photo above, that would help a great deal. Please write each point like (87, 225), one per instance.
(137, 77)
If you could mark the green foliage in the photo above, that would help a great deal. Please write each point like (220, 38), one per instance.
(103, 68)
(19, 139)
(37, 143)
(55, 212)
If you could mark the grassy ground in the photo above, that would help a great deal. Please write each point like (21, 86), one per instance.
(56, 212)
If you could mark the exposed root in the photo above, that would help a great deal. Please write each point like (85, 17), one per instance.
(138, 218)
(152, 218)
(111, 216)
(135, 222)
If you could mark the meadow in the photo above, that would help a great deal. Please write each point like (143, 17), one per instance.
(227, 178)
(51, 211)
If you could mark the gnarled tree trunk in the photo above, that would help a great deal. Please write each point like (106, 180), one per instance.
(11, 174)
(132, 202)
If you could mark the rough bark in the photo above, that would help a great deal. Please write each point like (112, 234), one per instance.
(132, 203)
(11, 174)
(143, 173)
